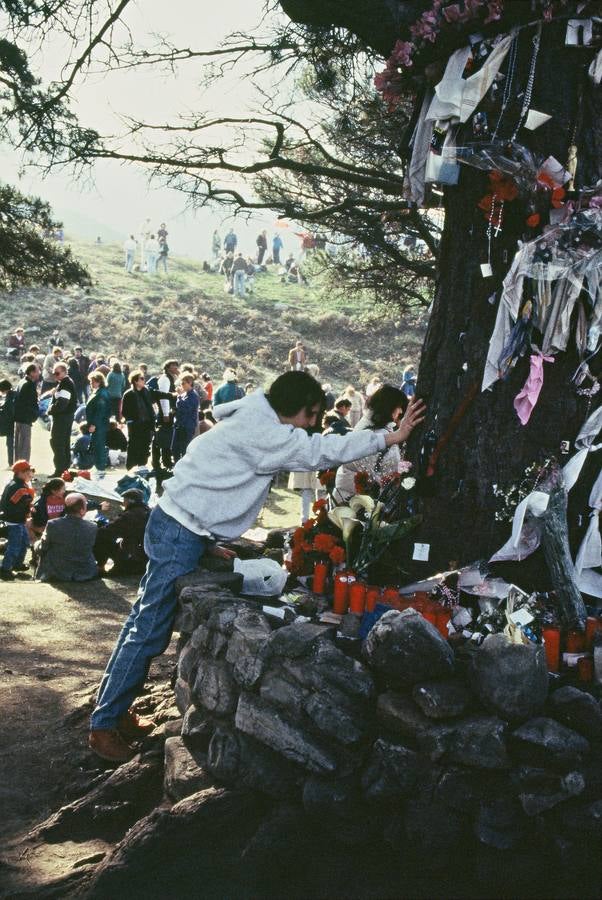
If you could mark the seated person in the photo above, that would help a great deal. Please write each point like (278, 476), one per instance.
(117, 443)
(49, 505)
(82, 456)
(122, 540)
(66, 549)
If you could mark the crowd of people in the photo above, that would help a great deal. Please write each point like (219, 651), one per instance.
(150, 246)
(101, 412)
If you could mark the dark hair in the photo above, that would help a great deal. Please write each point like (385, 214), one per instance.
(53, 484)
(170, 362)
(32, 367)
(5, 385)
(117, 368)
(343, 401)
(382, 403)
(294, 391)
(329, 419)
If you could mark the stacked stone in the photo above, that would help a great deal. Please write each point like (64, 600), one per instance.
(413, 743)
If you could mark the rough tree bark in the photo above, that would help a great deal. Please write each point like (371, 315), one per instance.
(489, 446)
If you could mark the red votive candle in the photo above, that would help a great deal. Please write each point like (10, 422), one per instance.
(443, 617)
(372, 598)
(585, 668)
(391, 594)
(575, 642)
(551, 638)
(340, 600)
(430, 613)
(320, 575)
(591, 626)
(357, 598)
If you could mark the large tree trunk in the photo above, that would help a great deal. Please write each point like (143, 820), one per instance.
(485, 444)
(490, 446)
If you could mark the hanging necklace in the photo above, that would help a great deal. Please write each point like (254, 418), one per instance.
(530, 82)
(510, 72)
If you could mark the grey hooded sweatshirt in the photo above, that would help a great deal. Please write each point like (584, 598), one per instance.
(220, 486)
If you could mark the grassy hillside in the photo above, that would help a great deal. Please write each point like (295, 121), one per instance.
(187, 314)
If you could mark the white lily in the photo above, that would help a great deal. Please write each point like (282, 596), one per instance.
(344, 518)
(362, 501)
(408, 483)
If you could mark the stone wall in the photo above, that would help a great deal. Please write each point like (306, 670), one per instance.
(414, 743)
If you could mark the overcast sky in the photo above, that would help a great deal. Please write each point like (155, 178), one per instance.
(117, 198)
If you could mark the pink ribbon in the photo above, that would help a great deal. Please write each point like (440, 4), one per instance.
(526, 400)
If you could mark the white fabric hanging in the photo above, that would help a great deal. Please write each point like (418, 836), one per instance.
(589, 556)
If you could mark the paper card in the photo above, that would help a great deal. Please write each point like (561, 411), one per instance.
(486, 270)
(421, 552)
(579, 33)
(521, 617)
(535, 119)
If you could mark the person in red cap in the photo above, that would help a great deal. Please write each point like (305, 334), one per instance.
(16, 500)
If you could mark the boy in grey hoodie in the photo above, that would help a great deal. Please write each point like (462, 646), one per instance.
(216, 493)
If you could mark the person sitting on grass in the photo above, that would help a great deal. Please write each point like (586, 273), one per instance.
(66, 550)
(216, 493)
(122, 540)
(15, 504)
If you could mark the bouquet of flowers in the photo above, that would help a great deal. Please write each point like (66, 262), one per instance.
(315, 541)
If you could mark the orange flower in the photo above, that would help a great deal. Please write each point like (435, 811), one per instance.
(533, 220)
(324, 543)
(319, 504)
(337, 555)
(309, 524)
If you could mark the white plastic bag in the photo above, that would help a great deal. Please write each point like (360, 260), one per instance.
(261, 577)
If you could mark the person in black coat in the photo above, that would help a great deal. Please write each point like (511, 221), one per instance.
(62, 409)
(7, 417)
(122, 540)
(137, 410)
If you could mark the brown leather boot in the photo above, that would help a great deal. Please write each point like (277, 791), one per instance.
(133, 727)
(110, 745)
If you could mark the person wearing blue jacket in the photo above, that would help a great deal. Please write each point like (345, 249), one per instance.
(186, 417)
(228, 391)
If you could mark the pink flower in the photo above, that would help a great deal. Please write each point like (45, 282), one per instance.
(452, 13)
(402, 54)
(404, 466)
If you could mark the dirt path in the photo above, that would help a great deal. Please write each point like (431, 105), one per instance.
(54, 643)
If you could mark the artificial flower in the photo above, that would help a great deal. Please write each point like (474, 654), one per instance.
(533, 220)
(324, 543)
(403, 466)
(309, 524)
(337, 556)
(408, 483)
(319, 504)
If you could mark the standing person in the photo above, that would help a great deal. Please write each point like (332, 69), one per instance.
(129, 248)
(208, 388)
(229, 390)
(277, 246)
(15, 503)
(166, 384)
(81, 378)
(162, 232)
(239, 272)
(62, 409)
(145, 233)
(216, 493)
(98, 413)
(297, 357)
(16, 344)
(226, 270)
(116, 385)
(216, 245)
(26, 411)
(262, 246)
(50, 361)
(186, 417)
(139, 414)
(151, 252)
(162, 256)
(230, 242)
(357, 405)
(373, 385)
(7, 417)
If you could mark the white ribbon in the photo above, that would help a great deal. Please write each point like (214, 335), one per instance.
(526, 537)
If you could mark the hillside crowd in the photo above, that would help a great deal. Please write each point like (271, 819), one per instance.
(102, 412)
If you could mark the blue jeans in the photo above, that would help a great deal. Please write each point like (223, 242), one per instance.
(239, 283)
(172, 551)
(16, 548)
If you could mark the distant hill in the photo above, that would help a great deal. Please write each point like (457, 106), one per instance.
(188, 315)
